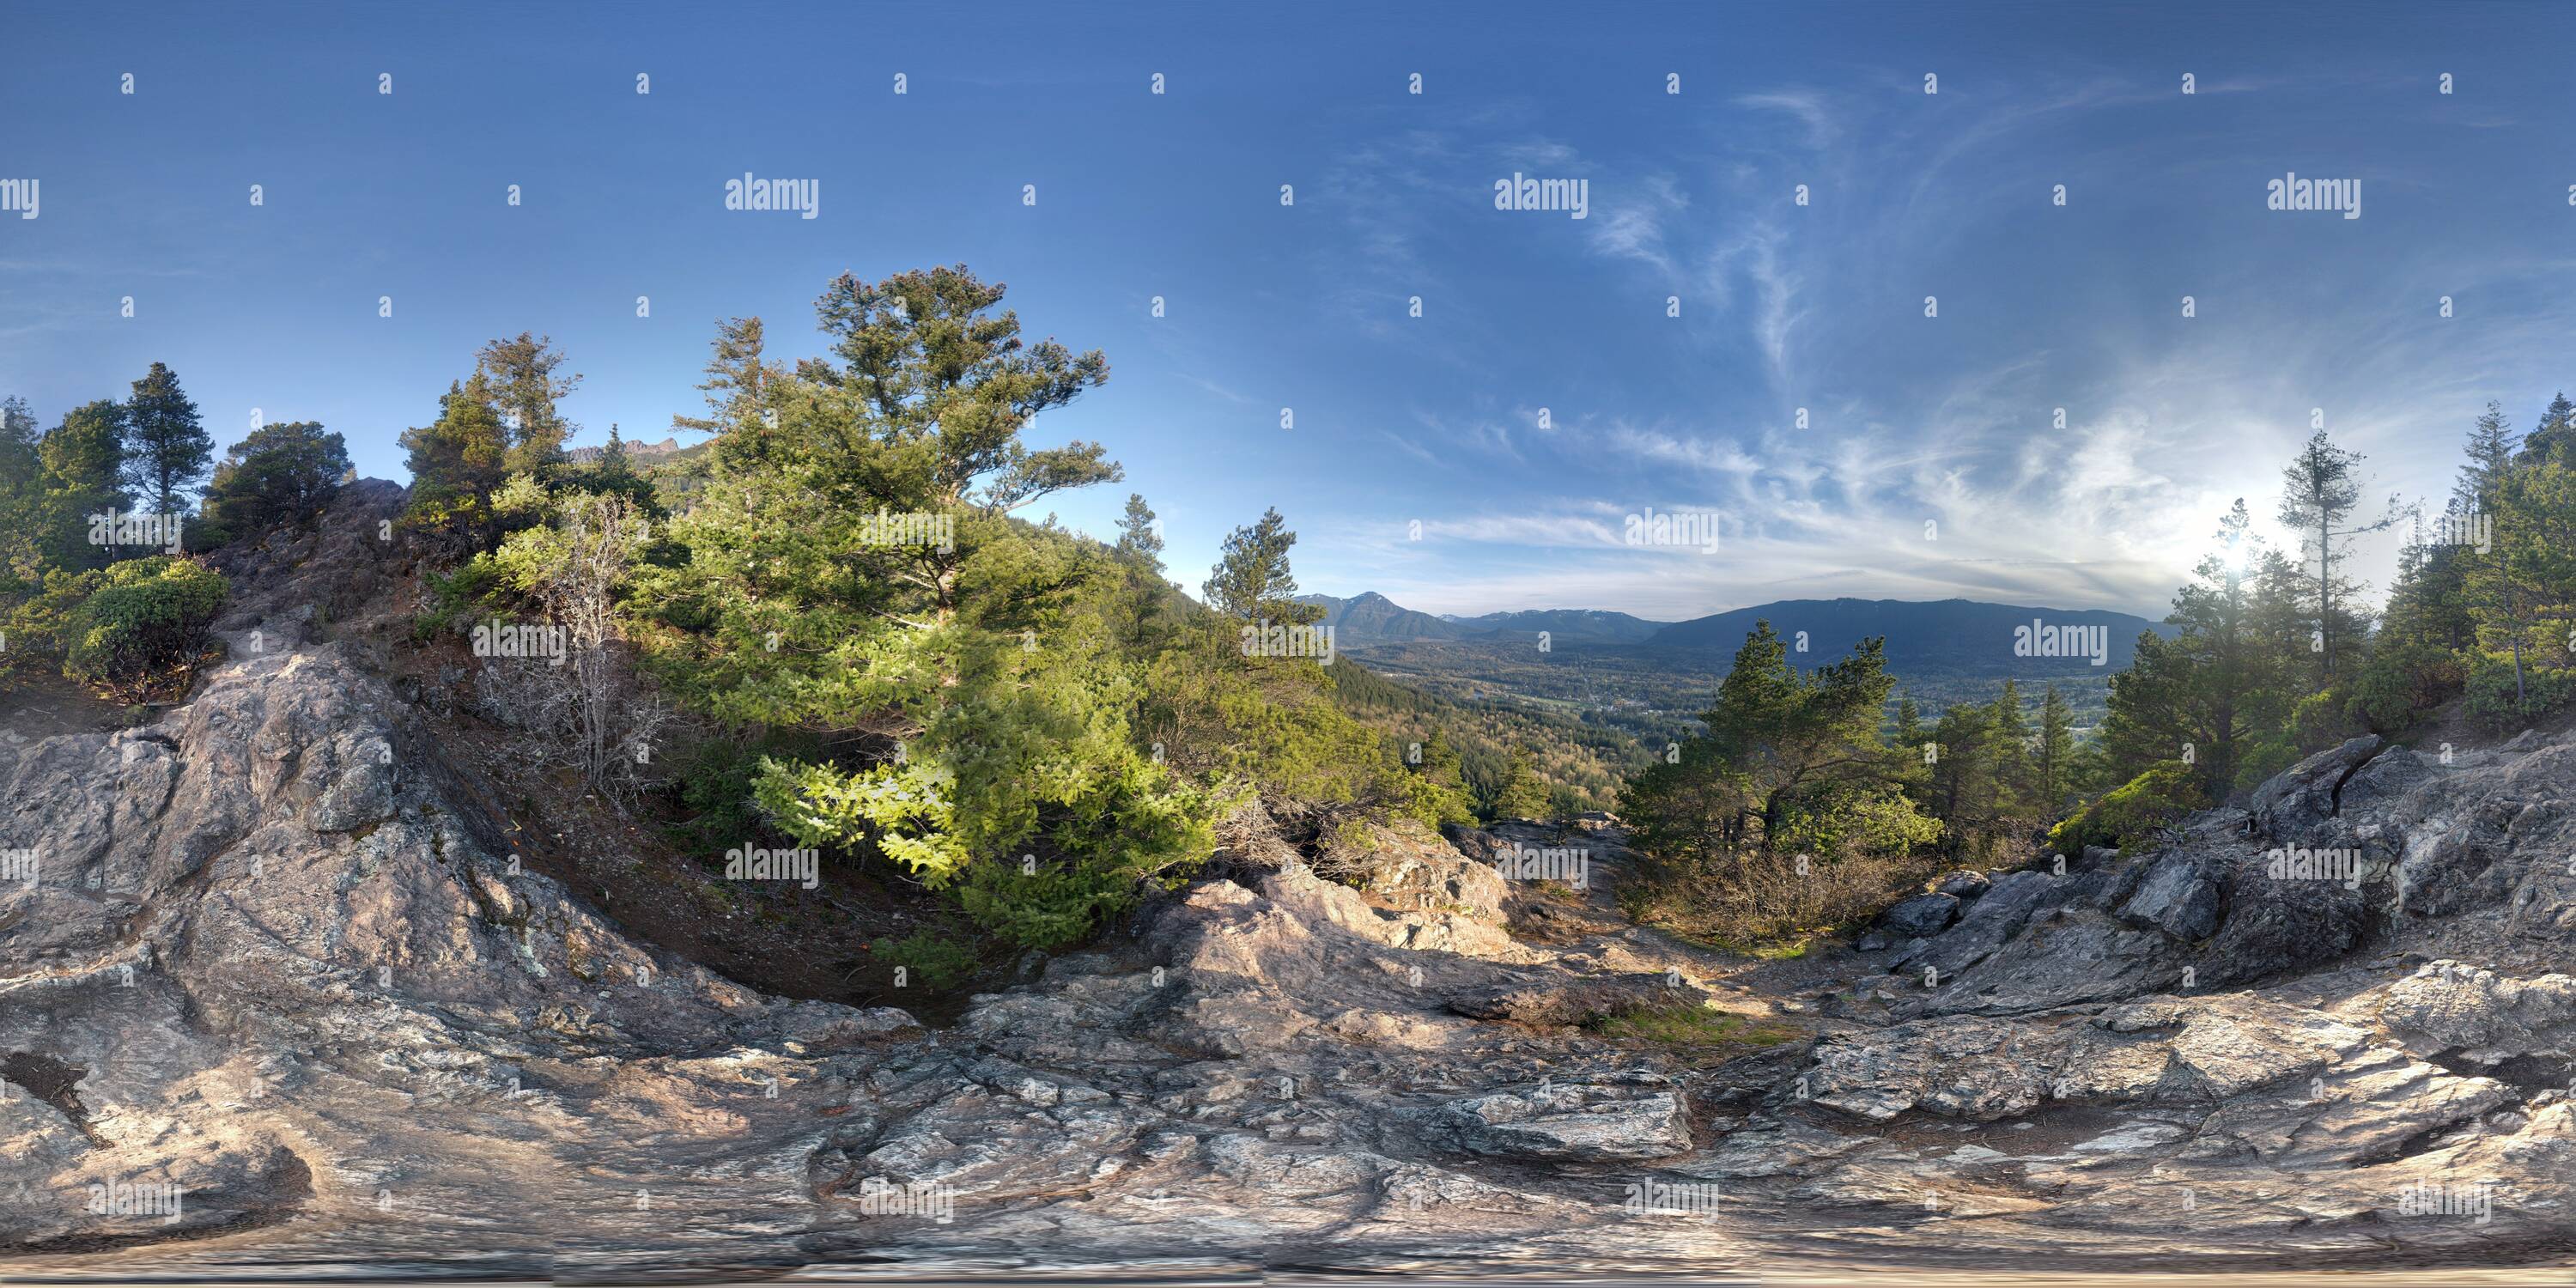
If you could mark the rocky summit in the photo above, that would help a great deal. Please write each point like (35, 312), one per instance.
(280, 998)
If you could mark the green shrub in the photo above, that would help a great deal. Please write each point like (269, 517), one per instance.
(2264, 758)
(2324, 719)
(2403, 682)
(457, 598)
(2165, 794)
(2491, 694)
(144, 628)
(927, 957)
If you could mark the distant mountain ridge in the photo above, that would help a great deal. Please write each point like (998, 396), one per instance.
(1372, 618)
(1936, 635)
(1945, 633)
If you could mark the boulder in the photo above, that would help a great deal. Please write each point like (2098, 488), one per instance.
(1921, 915)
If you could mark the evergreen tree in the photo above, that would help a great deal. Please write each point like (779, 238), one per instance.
(460, 459)
(22, 492)
(1522, 795)
(83, 462)
(166, 451)
(520, 380)
(2490, 451)
(1965, 786)
(1440, 781)
(1251, 579)
(2224, 677)
(1789, 758)
(737, 379)
(965, 669)
(925, 354)
(2052, 756)
(2319, 490)
(283, 473)
(1137, 537)
(2555, 438)
(2012, 746)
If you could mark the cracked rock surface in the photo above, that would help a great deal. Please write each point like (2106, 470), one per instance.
(272, 963)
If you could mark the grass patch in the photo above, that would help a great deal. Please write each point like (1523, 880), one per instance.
(1682, 1024)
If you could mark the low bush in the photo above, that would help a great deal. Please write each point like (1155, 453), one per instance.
(2164, 795)
(141, 632)
(2492, 702)
(926, 958)
(1761, 902)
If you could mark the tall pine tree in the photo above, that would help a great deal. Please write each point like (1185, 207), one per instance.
(167, 452)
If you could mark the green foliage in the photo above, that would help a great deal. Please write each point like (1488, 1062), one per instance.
(852, 573)
(165, 449)
(1521, 794)
(2404, 681)
(22, 496)
(1781, 745)
(2325, 718)
(2161, 796)
(1435, 791)
(281, 474)
(1139, 537)
(930, 958)
(458, 597)
(2232, 674)
(2495, 705)
(143, 628)
(457, 461)
(83, 462)
(1251, 580)
(520, 375)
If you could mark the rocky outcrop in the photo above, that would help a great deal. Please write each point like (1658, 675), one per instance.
(279, 993)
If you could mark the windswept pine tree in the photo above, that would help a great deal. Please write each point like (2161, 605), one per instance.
(737, 379)
(1251, 579)
(520, 375)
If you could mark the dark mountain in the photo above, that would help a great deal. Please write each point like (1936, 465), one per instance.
(1374, 619)
(1565, 625)
(1942, 636)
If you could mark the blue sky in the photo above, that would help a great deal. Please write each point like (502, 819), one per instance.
(1398, 420)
